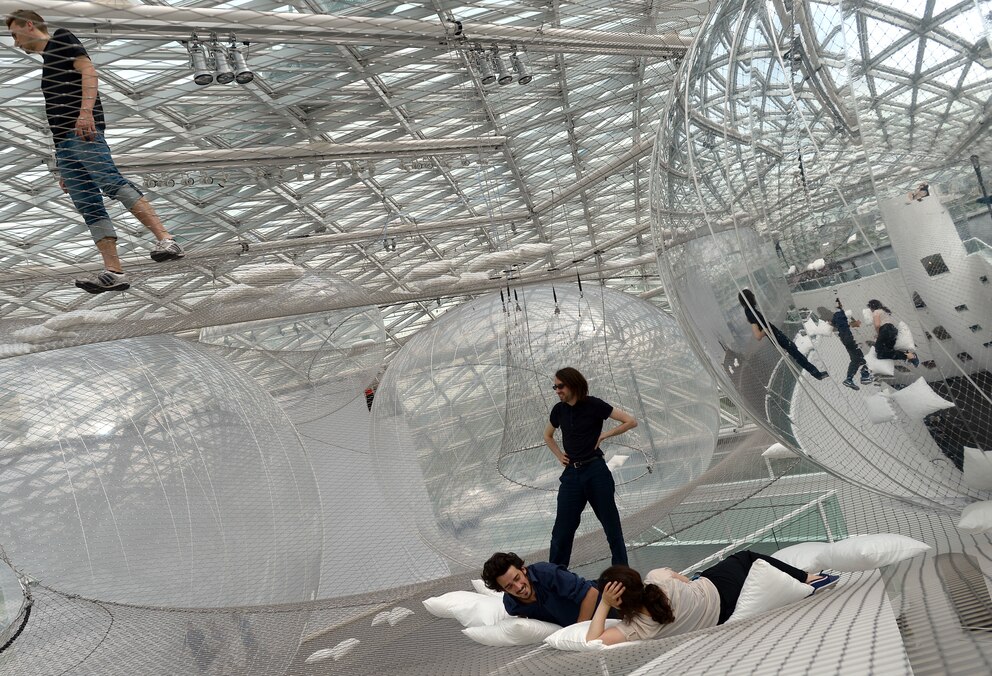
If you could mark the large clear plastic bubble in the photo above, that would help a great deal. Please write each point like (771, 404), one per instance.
(320, 361)
(821, 150)
(459, 416)
(148, 472)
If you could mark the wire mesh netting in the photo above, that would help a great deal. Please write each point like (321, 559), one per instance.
(329, 259)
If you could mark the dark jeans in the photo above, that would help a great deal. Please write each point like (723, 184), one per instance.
(728, 577)
(591, 483)
(857, 357)
(794, 352)
(885, 344)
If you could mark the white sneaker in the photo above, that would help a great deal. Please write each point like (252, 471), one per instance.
(104, 281)
(167, 250)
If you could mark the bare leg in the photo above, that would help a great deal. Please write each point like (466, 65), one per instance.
(108, 249)
(145, 213)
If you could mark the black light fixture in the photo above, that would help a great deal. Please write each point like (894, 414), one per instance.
(520, 65)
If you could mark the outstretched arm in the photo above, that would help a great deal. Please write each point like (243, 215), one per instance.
(597, 628)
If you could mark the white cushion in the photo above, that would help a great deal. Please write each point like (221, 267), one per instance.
(976, 517)
(391, 616)
(866, 552)
(469, 608)
(481, 588)
(919, 401)
(767, 588)
(879, 408)
(514, 631)
(904, 339)
(777, 450)
(883, 367)
(866, 317)
(573, 637)
(814, 329)
(977, 469)
(804, 556)
(803, 343)
(337, 652)
(268, 274)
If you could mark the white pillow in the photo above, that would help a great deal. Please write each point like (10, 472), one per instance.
(904, 339)
(777, 450)
(573, 637)
(919, 401)
(977, 469)
(866, 317)
(481, 588)
(514, 631)
(804, 556)
(767, 588)
(469, 608)
(866, 552)
(814, 329)
(803, 343)
(976, 517)
(883, 367)
(879, 409)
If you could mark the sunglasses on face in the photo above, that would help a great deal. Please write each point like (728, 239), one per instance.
(557, 386)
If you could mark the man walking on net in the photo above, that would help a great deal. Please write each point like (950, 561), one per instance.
(586, 478)
(86, 169)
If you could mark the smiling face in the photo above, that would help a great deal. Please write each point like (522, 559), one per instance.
(561, 389)
(516, 583)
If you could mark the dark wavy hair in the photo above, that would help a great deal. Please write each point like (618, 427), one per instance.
(497, 565)
(747, 300)
(637, 595)
(575, 381)
(877, 305)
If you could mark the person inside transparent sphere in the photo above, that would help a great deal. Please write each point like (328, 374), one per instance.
(886, 334)
(761, 327)
(586, 478)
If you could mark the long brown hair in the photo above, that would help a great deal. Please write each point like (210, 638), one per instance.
(637, 595)
(575, 382)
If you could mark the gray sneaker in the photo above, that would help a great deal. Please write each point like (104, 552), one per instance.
(167, 250)
(104, 281)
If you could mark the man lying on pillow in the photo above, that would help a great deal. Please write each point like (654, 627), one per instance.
(540, 591)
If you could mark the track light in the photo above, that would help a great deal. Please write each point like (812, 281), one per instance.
(202, 75)
(224, 73)
(485, 67)
(521, 67)
(242, 73)
(502, 70)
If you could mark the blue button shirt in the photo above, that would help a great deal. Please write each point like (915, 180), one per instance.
(559, 595)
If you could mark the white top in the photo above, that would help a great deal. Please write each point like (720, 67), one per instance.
(696, 605)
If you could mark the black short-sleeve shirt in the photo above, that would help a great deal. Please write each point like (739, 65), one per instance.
(62, 84)
(580, 426)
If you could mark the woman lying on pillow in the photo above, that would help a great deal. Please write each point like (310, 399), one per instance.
(671, 604)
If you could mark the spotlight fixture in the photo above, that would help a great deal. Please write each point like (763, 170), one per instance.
(521, 67)
(224, 73)
(502, 69)
(242, 73)
(485, 68)
(202, 75)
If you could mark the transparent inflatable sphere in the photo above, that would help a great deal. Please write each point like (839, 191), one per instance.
(819, 152)
(321, 360)
(148, 472)
(459, 417)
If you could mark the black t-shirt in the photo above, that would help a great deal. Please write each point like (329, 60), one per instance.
(62, 84)
(755, 317)
(580, 426)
